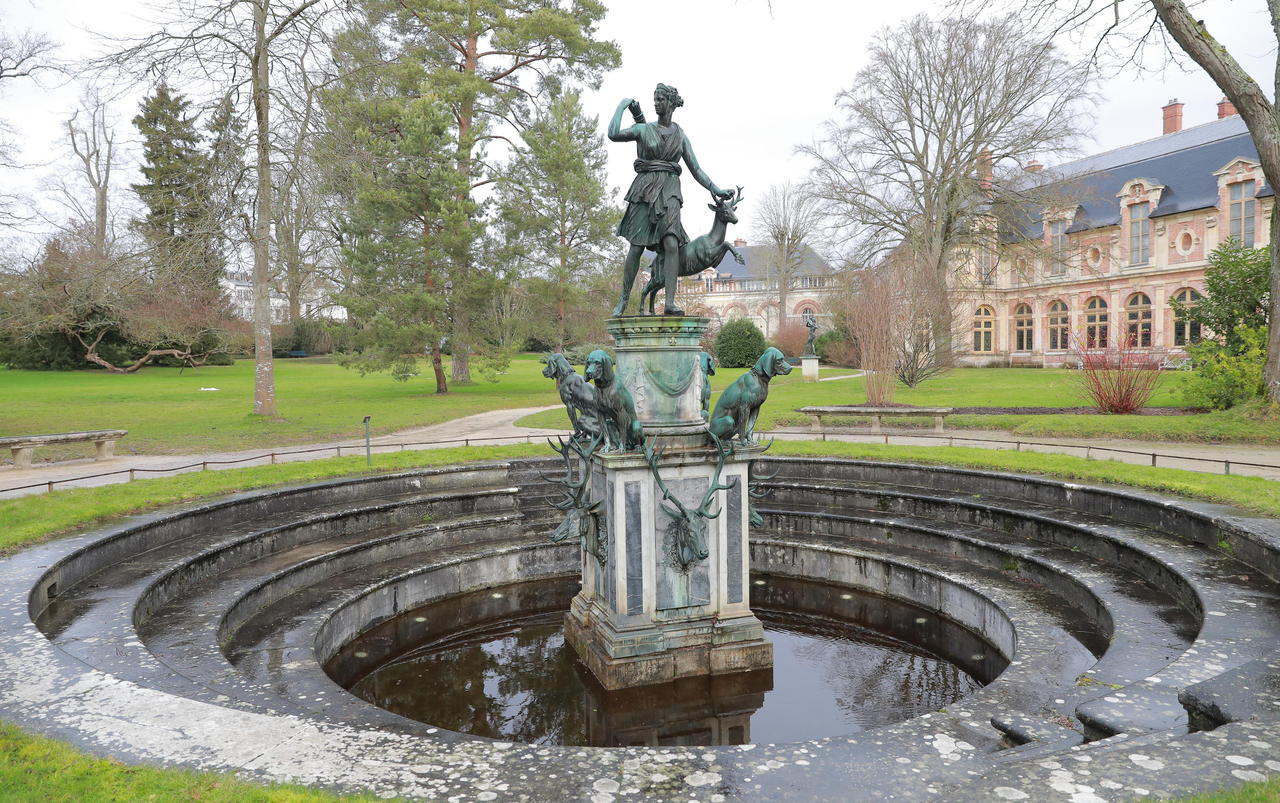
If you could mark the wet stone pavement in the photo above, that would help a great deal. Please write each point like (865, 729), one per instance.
(1141, 635)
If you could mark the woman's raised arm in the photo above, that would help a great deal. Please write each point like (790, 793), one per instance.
(616, 132)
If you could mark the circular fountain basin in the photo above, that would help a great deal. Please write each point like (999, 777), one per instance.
(495, 664)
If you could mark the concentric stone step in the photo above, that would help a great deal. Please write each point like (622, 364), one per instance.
(1117, 611)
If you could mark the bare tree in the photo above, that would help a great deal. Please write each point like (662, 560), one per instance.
(93, 142)
(788, 218)
(868, 306)
(897, 170)
(234, 43)
(1156, 31)
(22, 55)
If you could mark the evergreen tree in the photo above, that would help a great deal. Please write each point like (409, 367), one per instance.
(408, 222)
(176, 192)
(488, 60)
(555, 215)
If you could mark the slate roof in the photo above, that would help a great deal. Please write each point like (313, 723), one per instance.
(756, 260)
(1184, 162)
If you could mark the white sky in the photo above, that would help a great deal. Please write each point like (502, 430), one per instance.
(756, 81)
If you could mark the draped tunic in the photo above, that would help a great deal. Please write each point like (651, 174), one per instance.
(654, 199)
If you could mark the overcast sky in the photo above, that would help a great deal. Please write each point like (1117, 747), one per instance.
(757, 80)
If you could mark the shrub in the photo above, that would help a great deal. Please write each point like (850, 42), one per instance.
(1119, 380)
(836, 347)
(739, 343)
(577, 355)
(1226, 375)
(791, 338)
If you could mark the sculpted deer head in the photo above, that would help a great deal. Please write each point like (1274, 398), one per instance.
(726, 209)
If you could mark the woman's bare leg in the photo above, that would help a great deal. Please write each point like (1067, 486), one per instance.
(630, 268)
(671, 264)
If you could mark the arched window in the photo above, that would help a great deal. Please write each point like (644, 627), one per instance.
(1138, 321)
(1059, 326)
(1096, 323)
(1185, 332)
(1023, 331)
(984, 329)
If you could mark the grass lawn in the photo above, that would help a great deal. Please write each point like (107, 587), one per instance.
(166, 412)
(998, 387)
(36, 767)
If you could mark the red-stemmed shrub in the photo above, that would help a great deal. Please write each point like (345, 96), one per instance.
(1118, 380)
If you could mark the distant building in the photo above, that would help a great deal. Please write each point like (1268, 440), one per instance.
(1107, 265)
(239, 288)
(730, 290)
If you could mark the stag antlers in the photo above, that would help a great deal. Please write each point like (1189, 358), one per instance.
(687, 530)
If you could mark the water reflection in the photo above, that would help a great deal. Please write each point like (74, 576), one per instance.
(495, 664)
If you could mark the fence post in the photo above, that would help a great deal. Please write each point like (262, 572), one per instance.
(204, 465)
(886, 439)
(49, 487)
(1017, 446)
(1226, 465)
(273, 458)
(130, 475)
(1153, 458)
(1088, 452)
(951, 441)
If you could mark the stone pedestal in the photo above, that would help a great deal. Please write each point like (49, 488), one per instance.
(643, 616)
(657, 359)
(809, 368)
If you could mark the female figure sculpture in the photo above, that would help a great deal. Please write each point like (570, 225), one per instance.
(652, 219)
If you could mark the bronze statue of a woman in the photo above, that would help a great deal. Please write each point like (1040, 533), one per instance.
(652, 219)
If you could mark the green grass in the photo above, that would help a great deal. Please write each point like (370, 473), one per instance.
(36, 767)
(166, 412)
(1255, 792)
(999, 387)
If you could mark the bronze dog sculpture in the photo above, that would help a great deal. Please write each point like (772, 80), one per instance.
(578, 395)
(739, 406)
(615, 408)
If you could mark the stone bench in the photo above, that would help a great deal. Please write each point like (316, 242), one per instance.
(875, 414)
(103, 440)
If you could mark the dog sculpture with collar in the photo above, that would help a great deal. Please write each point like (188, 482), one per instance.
(614, 405)
(739, 406)
(578, 395)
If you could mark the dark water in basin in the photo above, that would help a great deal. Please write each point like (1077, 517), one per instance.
(495, 664)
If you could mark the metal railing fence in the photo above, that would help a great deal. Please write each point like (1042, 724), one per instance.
(273, 457)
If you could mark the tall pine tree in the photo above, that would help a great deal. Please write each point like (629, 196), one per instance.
(555, 216)
(181, 236)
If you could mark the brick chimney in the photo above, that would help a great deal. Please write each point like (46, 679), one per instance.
(1173, 117)
(1226, 108)
(1033, 166)
(985, 168)
(739, 243)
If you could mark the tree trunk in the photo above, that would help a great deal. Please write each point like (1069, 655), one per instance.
(1264, 128)
(460, 341)
(442, 384)
(264, 381)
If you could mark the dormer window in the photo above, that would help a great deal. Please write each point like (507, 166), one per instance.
(1240, 211)
(1139, 233)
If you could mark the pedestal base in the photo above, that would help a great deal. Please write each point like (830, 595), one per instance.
(665, 651)
(809, 368)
